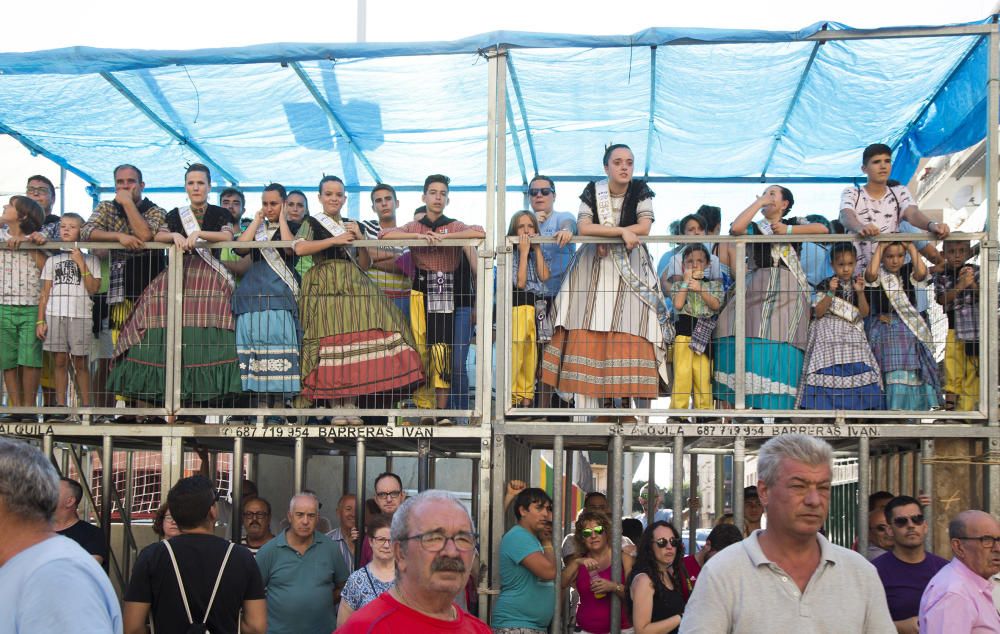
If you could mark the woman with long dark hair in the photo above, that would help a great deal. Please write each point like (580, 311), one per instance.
(658, 587)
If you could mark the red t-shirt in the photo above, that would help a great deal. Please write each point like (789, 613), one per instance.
(692, 569)
(386, 615)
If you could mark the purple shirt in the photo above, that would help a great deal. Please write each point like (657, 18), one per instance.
(905, 582)
(958, 600)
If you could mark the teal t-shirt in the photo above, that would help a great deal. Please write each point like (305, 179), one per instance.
(525, 600)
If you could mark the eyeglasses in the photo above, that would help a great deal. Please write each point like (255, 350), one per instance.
(255, 515)
(541, 191)
(382, 541)
(385, 495)
(590, 532)
(676, 542)
(37, 190)
(986, 541)
(903, 520)
(434, 541)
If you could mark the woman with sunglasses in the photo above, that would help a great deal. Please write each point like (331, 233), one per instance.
(367, 583)
(590, 572)
(657, 586)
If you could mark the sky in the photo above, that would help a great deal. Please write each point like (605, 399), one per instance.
(222, 23)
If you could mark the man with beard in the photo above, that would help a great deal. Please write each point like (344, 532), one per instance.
(960, 597)
(256, 524)
(527, 568)
(434, 544)
(906, 570)
(302, 571)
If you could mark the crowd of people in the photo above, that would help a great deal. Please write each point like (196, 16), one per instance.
(416, 565)
(839, 326)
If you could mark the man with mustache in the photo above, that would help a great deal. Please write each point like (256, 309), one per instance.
(527, 568)
(960, 597)
(789, 577)
(907, 568)
(256, 523)
(434, 545)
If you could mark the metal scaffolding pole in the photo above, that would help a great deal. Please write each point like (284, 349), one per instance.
(739, 464)
(615, 456)
(692, 514)
(652, 493)
(236, 479)
(299, 468)
(126, 513)
(107, 484)
(864, 488)
(359, 501)
(927, 486)
(423, 464)
(990, 377)
(558, 508)
(677, 503)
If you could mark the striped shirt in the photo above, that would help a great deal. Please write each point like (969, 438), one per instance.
(20, 278)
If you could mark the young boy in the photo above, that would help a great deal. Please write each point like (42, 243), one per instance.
(957, 290)
(65, 312)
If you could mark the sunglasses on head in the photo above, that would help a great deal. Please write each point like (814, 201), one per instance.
(676, 542)
(903, 520)
(590, 532)
(544, 191)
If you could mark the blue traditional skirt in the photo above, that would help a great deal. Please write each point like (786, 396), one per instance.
(840, 371)
(908, 368)
(772, 372)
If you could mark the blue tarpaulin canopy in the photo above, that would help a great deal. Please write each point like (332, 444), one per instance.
(694, 104)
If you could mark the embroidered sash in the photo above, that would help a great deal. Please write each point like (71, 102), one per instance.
(191, 225)
(847, 311)
(275, 261)
(651, 296)
(783, 252)
(893, 288)
(336, 230)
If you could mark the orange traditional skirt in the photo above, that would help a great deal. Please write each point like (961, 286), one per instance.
(600, 364)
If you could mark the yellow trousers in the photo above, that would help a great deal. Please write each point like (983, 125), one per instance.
(524, 354)
(436, 358)
(961, 374)
(692, 374)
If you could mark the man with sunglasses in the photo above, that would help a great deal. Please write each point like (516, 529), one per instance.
(907, 568)
(960, 597)
(434, 546)
(527, 568)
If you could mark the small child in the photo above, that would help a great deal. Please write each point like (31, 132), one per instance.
(899, 337)
(840, 371)
(65, 312)
(529, 271)
(20, 351)
(957, 290)
(696, 300)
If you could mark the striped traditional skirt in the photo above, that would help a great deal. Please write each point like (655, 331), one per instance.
(209, 367)
(840, 371)
(909, 370)
(356, 341)
(600, 364)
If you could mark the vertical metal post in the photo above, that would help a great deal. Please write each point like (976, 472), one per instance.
(236, 478)
(651, 490)
(171, 463)
(628, 470)
(617, 450)
(48, 450)
(864, 488)
(482, 517)
(498, 483)
(126, 511)
(927, 486)
(299, 468)
(474, 493)
(107, 485)
(423, 460)
(569, 515)
(989, 376)
(174, 338)
(362, 19)
(359, 492)
(62, 190)
(740, 334)
(720, 486)
(558, 508)
(739, 475)
(692, 514)
(677, 503)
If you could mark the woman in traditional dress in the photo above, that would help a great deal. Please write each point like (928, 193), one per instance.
(208, 356)
(356, 341)
(777, 309)
(611, 325)
(266, 306)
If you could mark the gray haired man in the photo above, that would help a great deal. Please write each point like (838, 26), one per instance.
(48, 583)
(788, 577)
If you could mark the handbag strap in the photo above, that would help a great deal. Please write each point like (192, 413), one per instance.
(180, 582)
